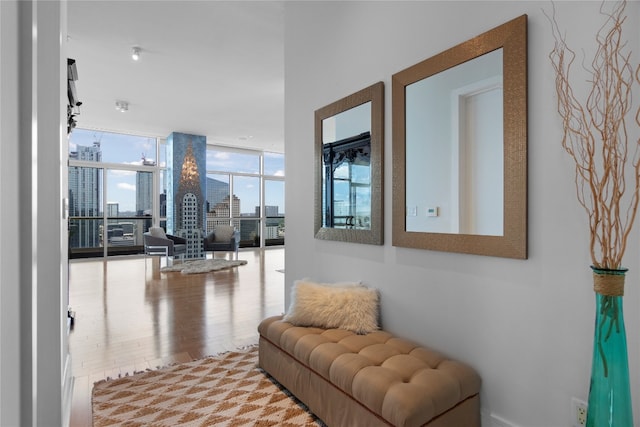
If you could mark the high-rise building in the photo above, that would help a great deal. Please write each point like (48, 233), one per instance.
(144, 193)
(271, 232)
(269, 211)
(85, 197)
(222, 211)
(217, 191)
(113, 210)
(163, 204)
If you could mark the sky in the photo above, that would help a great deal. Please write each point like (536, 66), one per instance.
(130, 150)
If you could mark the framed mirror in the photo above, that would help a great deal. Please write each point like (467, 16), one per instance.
(460, 147)
(349, 145)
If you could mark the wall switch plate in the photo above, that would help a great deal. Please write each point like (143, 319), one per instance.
(432, 211)
(412, 211)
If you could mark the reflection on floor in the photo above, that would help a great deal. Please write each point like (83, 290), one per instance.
(130, 318)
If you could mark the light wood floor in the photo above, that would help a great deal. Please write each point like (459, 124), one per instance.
(129, 318)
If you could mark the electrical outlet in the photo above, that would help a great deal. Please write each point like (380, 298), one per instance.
(578, 412)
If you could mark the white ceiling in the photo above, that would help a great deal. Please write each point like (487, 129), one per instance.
(213, 68)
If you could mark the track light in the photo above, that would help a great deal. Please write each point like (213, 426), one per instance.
(122, 106)
(135, 53)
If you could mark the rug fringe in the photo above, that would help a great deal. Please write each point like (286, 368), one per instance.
(241, 349)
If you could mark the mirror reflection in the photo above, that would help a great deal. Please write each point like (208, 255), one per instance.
(349, 135)
(454, 149)
(346, 173)
(460, 147)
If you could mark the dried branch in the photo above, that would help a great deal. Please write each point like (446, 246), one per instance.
(595, 135)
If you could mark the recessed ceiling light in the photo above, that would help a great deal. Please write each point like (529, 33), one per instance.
(135, 53)
(122, 106)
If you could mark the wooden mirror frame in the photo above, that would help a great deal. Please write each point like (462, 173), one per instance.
(512, 38)
(375, 235)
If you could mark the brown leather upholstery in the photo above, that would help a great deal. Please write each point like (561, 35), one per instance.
(374, 379)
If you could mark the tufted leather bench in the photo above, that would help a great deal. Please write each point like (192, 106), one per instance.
(369, 380)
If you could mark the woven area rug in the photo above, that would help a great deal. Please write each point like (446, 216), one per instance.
(203, 265)
(227, 390)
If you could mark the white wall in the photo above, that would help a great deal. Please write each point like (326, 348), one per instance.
(34, 358)
(9, 212)
(526, 326)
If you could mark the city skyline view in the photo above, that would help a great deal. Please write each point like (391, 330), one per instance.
(131, 150)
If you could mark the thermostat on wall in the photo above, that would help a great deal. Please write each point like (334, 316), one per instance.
(432, 211)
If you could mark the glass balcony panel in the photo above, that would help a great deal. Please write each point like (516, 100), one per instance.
(249, 232)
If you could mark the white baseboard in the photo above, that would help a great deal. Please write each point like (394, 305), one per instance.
(67, 391)
(493, 420)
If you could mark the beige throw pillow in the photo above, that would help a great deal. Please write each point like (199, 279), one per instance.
(224, 233)
(349, 306)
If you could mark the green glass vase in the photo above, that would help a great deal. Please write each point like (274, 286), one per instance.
(609, 391)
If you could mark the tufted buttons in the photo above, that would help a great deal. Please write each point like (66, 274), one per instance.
(403, 382)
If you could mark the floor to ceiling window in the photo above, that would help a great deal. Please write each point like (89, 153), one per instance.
(273, 173)
(246, 188)
(117, 190)
(111, 192)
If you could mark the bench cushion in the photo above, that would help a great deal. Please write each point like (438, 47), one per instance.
(403, 383)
